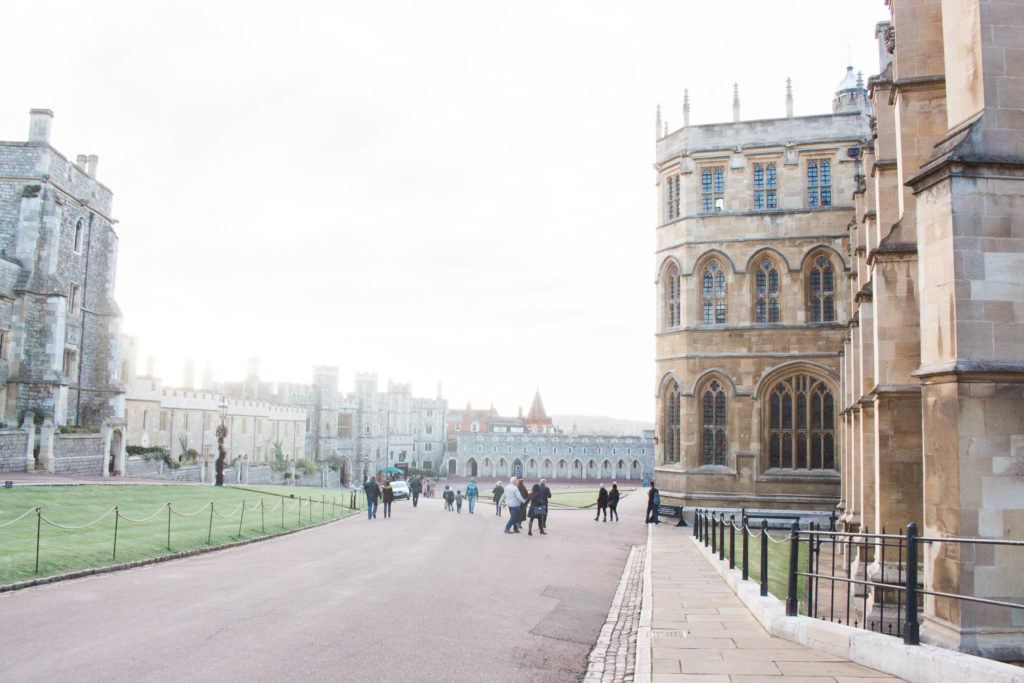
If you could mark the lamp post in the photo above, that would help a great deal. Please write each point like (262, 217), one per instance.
(222, 432)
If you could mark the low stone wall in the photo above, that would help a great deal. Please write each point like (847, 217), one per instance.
(12, 450)
(141, 468)
(78, 454)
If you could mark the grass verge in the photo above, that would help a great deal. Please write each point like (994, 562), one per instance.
(141, 521)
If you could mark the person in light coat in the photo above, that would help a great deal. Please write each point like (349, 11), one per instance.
(514, 500)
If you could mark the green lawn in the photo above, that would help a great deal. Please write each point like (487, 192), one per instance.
(580, 498)
(143, 521)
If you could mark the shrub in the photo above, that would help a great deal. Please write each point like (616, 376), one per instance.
(307, 466)
(154, 453)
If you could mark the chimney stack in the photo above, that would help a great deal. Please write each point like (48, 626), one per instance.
(92, 163)
(686, 108)
(39, 125)
(657, 123)
(82, 162)
(735, 102)
(789, 98)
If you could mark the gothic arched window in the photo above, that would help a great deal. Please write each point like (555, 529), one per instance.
(800, 424)
(78, 236)
(766, 292)
(671, 406)
(821, 291)
(713, 448)
(673, 296)
(713, 294)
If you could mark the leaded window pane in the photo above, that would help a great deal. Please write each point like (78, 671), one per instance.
(801, 451)
(804, 439)
(762, 312)
(714, 294)
(713, 428)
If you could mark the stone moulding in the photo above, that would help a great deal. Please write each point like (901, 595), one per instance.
(914, 663)
(964, 370)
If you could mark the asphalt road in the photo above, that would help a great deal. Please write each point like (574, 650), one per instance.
(425, 595)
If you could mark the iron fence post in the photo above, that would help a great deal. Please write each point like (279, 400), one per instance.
(912, 630)
(721, 537)
(117, 516)
(792, 602)
(241, 518)
(746, 547)
(209, 533)
(696, 526)
(39, 533)
(714, 534)
(764, 557)
(263, 519)
(168, 526)
(732, 541)
(810, 568)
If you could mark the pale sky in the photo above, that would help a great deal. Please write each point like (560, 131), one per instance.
(437, 191)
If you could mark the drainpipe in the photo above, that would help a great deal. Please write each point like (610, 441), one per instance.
(81, 332)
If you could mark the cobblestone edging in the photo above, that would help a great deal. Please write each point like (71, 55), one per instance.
(613, 659)
(121, 566)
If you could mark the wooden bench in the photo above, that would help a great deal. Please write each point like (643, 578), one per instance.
(672, 511)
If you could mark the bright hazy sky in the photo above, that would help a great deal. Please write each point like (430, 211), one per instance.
(453, 191)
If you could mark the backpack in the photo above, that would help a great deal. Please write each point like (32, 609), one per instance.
(657, 498)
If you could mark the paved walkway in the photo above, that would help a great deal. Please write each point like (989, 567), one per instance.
(700, 631)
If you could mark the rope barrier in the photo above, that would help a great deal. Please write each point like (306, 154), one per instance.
(20, 517)
(75, 528)
(144, 519)
(205, 508)
(230, 514)
(784, 539)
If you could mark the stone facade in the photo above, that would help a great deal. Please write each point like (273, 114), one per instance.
(930, 354)
(551, 455)
(753, 280)
(59, 323)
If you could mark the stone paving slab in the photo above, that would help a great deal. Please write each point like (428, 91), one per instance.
(701, 632)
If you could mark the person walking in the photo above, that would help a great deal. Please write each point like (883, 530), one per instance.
(653, 501)
(471, 494)
(387, 495)
(496, 493)
(515, 500)
(458, 501)
(415, 488)
(372, 491)
(547, 497)
(521, 485)
(538, 509)
(602, 503)
(448, 497)
(613, 501)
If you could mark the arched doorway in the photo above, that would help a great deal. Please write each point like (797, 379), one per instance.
(115, 452)
(577, 470)
(620, 470)
(634, 470)
(546, 470)
(592, 471)
(488, 468)
(517, 468)
(531, 468)
(452, 465)
(502, 468)
(606, 470)
(563, 470)
(471, 467)
(345, 472)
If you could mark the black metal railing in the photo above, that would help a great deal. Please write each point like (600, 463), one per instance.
(896, 583)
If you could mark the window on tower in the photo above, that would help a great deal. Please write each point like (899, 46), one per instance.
(819, 183)
(712, 189)
(765, 186)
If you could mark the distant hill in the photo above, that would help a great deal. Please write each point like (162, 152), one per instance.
(598, 425)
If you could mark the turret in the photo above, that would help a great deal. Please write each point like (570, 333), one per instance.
(850, 94)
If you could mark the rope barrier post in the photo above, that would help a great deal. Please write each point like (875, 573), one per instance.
(706, 527)
(168, 526)
(323, 506)
(263, 521)
(732, 541)
(282, 513)
(39, 533)
(746, 546)
(810, 567)
(240, 518)
(721, 537)
(209, 533)
(696, 523)
(117, 516)
(764, 558)
(911, 629)
(794, 557)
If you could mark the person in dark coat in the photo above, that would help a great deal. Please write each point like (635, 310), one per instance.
(387, 495)
(416, 488)
(602, 504)
(547, 494)
(653, 501)
(372, 491)
(496, 493)
(538, 509)
(526, 496)
(613, 502)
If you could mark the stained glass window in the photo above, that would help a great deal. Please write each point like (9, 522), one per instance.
(765, 186)
(766, 292)
(672, 197)
(713, 444)
(800, 425)
(821, 291)
(671, 406)
(819, 183)
(713, 294)
(712, 189)
(673, 297)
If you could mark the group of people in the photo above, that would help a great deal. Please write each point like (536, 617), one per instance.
(608, 502)
(522, 505)
(455, 498)
(378, 493)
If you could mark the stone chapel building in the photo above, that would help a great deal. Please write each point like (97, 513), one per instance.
(867, 357)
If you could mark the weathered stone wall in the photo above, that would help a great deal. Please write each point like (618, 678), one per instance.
(12, 450)
(562, 456)
(80, 454)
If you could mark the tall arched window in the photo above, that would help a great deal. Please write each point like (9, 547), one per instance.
(713, 294)
(78, 236)
(821, 290)
(800, 424)
(766, 292)
(670, 406)
(713, 449)
(672, 297)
